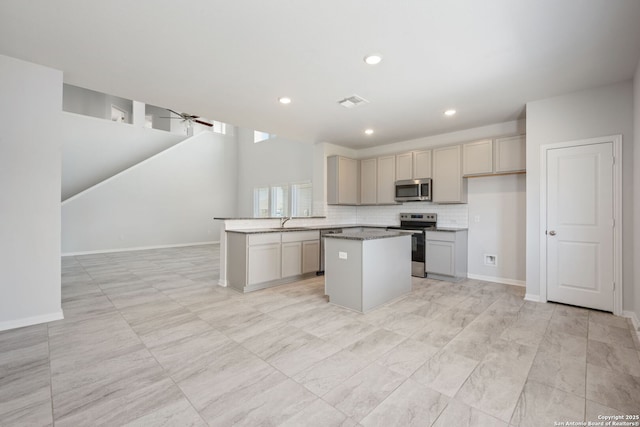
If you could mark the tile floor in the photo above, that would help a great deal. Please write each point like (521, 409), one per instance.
(148, 339)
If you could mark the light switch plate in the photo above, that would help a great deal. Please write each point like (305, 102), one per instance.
(342, 255)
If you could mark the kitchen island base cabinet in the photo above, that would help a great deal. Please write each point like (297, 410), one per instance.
(364, 274)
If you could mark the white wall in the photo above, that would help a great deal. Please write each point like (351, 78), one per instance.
(30, 109)
(95, 149)
(601, 111)
(636, 191)
(272, 162)
(169, 199)
(498, 203)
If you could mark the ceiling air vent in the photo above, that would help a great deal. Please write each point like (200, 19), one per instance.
(353, 101)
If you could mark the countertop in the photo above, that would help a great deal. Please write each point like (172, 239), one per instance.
(366, 235)
(270, 217)
(306, 228)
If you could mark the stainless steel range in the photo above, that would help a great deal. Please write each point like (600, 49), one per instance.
(417, 224)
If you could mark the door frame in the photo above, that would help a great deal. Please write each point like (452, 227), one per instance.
(617, 212)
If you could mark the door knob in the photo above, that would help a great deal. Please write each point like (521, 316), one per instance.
(552, 233)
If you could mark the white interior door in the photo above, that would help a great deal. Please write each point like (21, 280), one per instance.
(580, 225)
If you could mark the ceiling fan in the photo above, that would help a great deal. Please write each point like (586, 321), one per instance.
(188, 119)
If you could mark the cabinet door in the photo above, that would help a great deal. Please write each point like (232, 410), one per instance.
(348, 174)
(510, 154)
(440, 257)
(291, 259)
(477, 157)
(422, 164)
(404, 166)
(263, 263)
(342, 181)
(310, 256)
(386, 179)
(368, 181)
(448, 184)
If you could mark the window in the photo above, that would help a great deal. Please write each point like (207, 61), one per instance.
(301, 199)
(223, 128)
(261, 136)
(282, 200)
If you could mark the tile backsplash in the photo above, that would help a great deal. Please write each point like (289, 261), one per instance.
(448, 215)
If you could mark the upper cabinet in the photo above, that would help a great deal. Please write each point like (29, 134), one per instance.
(510, 154)
(499, 156)
(368, 181)
(386, 179)
(477, 157)
(448, 184)
(422, 164)
(404, 166)
(342, 181)
(413, 165)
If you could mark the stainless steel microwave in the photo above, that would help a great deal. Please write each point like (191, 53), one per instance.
(413, 190)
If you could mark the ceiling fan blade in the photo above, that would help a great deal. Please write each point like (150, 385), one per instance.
(174, 112)
(203, 123)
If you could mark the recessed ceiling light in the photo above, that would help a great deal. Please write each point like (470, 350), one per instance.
(373, 59)
(369, 131)
(284, 100)
(450, 112)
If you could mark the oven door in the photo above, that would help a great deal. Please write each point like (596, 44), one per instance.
(418, 250)
(418, 254)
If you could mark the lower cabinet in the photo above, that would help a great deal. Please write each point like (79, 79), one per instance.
(263, 263)
(446, 254)
(310, 256)
(291, 259)
(441, 257)
(260, 260)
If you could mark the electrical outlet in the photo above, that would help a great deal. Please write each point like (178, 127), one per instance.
(476, 218)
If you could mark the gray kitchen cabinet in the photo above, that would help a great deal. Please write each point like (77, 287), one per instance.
(413, 165)
(510, 154)
(386, 179)
(263, 258)
(310, 256)
(260, 260)
(291, 259)
(422, 164)
(446, 254)
(404, 166)
(342, 181)
(477, 157)
(368, 181)
(300, 252)
(448, 183)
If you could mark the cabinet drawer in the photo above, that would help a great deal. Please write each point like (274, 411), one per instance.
(443, 236)
(299, 236)
(263, 238)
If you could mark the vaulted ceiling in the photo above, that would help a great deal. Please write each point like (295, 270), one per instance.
(232, 60)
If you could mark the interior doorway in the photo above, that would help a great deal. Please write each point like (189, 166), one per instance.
(581, 223)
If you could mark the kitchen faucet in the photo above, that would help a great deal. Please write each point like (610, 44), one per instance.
(284, 220)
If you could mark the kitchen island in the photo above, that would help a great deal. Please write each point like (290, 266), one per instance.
(366, 269)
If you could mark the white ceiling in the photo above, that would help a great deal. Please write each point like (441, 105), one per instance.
(231, 60)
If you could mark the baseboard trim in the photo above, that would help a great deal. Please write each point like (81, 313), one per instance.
(532, 297)
(29, 321)
(634, 320)
(140, 248)
(497, 280)
(223, 283)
